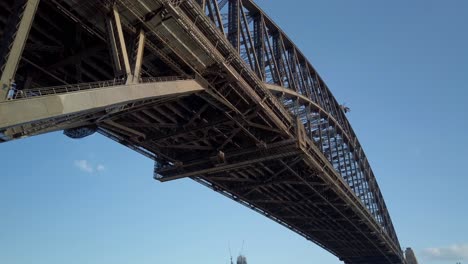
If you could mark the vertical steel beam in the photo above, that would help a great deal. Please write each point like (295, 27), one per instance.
(319, 89)
(321, 136)
(210, 12)
(259, 44)
(78, 46)
(313, 86)
(202, 4)
(250, 50)
(233, 24)
(218, 16)
(14, 51)
(139, 56)
(271, 58)
(117, 65)
(123, 47)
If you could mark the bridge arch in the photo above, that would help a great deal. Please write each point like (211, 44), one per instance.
(261, 127)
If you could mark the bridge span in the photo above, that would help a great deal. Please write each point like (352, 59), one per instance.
(212, 90)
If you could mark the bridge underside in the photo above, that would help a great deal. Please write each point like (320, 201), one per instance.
(91, 104)
(251, 119)
(284, 182)
(287, 180)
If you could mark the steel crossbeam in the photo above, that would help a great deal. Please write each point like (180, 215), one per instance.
(262, 128)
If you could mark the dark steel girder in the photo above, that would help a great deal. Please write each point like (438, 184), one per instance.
(293, 157)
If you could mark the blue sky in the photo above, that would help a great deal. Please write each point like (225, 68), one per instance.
(402, 68)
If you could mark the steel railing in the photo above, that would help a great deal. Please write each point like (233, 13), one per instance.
(61, 89)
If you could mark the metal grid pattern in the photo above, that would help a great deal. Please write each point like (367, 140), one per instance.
(276, 60)
(267, 132)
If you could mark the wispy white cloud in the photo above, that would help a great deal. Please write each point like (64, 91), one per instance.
(100, 167)
(453, 252)
(86, 166)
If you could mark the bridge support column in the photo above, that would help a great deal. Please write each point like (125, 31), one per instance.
(234, 24)
(113, 46)
(139, 57)
(130, 66)
(259, 44)
(13, 42)
(118, 45)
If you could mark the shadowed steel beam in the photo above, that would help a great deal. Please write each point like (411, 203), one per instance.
(234, 161)
(75, 58)
(330, 181)
(16, 50)
(225, 167)
(123, 47)
(139, 56)
(112, 43)
(131, 132)
(18, 112)
(233, 26)
(369, 179)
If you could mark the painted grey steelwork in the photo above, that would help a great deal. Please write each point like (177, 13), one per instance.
(14, 41)
(251, 118)
(410, 256)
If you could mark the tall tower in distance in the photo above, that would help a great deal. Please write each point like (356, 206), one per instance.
(410, 256)
(241, 260)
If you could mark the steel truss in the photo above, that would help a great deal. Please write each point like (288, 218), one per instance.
(266, 132)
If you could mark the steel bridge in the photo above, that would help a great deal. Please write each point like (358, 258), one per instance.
(212, 90)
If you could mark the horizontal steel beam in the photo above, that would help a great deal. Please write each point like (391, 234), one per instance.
(34, 109)
(233, 161)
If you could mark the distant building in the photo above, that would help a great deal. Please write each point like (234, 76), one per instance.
(241, 260)
(410, 256)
